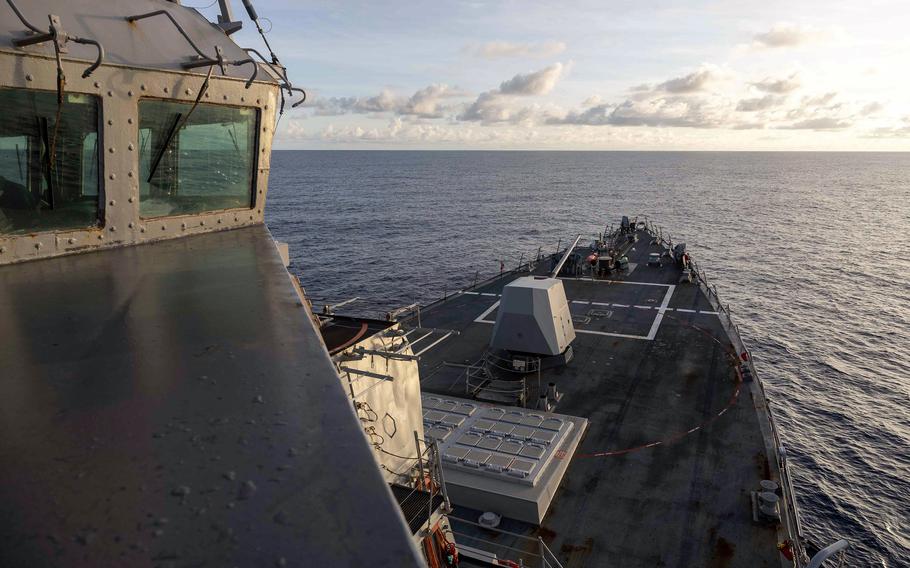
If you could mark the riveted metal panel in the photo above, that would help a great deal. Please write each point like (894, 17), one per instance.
(118, 90)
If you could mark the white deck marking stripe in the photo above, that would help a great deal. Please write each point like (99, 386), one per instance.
(473, 293)
(489, 294)
(686, 311)
(643, 307)
(588, 331)
(480, 318)
(614, 282)
(660, 312)
(709, 313)
(589, 302)
(607, 333)
(620, 305)
(421, 338)
(432, 345)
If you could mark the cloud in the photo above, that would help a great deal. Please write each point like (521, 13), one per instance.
(778, 86)
(504, 49)
(674, 111)
(786, 34)
(874, 107)
(536, 83)
(426, 102)
(498, 105)
(691, 83)
(892, 131)
(488, 107)
(762, 103)
(821, 123)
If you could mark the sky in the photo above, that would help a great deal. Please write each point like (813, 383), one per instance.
(604, 75)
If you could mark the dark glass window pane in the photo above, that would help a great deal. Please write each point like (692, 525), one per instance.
(207, 165)
(40, 192)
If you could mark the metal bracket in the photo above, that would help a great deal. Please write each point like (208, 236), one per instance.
(226, 18)
(386, 354)
(202, 60)
(367, 373)
(57, 35)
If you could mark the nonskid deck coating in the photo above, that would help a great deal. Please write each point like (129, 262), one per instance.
(674, 447)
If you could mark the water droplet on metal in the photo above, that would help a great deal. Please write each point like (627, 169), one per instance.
(247, 490)
(258, 399)
(282, 518)
(230, 475)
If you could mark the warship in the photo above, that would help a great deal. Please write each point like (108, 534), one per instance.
(169, 396)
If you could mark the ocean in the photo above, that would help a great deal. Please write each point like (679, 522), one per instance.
(809, 249)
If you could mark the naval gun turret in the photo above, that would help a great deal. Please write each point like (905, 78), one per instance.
(534, 317)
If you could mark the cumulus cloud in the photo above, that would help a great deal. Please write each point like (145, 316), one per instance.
(761, 103)
(778, 86)
(426, 102)
(786, 34)
(820, 123)
(691, 83)
(701, 99)
(488, 107)
(498, 105)
(820, 112)
(504, 49)
(384, 101)
(673, 111)
(874, 107)
(536, 83)
(897, 131)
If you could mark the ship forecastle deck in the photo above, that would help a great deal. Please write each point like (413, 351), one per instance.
(677, 440)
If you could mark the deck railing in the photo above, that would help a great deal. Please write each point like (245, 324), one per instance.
(724, 314)
(528, 551)
(423, 475)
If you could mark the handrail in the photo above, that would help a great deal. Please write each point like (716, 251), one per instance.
(177, 25)
(710, 291)
(22, 19)
(206, 59)
(282, 73)
(547, 558)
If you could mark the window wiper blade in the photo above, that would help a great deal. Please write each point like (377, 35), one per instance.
(178, 124)
(44, 131)
(167, 142)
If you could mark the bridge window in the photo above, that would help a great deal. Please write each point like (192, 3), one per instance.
(193, 160)
(48, 169)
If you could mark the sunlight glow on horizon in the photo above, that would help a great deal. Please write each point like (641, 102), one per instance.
(695, 76)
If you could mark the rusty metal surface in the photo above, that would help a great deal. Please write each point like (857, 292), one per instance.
(171, 404)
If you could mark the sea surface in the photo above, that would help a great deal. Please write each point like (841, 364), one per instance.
(811, 251)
